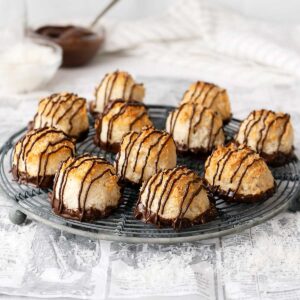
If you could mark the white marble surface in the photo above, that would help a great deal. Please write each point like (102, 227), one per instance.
(15, 111)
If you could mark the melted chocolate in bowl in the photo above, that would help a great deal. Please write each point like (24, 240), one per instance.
(79, 44)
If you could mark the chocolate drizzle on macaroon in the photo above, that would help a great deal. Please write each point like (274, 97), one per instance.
(203, 132)
(202, 90)
(226, 170)
(174, 198)
(143, 151)
(116, 85)
(268, 133)
(90, 169)
(210, 96)
(118, 118)
(57, 143)
(65, 111)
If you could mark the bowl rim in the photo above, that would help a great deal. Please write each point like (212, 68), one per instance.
(57, 50)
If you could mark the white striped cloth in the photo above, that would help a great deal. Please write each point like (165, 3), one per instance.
(209, 38)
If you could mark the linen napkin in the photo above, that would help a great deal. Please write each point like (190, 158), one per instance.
(217, 41)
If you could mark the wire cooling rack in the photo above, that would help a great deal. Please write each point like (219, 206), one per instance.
(122, 226)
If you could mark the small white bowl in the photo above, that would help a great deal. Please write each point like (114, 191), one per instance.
(29, 65)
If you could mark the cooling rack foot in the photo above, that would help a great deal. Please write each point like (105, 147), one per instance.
(16, 216)
(295, 204)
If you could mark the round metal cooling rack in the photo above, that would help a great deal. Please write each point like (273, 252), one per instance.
(122, 226)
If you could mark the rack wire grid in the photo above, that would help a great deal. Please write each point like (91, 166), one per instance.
(122, 226)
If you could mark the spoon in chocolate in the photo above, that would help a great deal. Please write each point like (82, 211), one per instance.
(103, 12)
(79, 44)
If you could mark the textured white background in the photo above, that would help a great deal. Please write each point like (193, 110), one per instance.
(271, 10)
(15, 111)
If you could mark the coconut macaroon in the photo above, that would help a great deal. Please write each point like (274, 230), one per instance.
(145, 153)
(119, 118)
(174, 198)
(64, 111)
(237, 173)
(211, 96)
(38, 155)
(85, 188)
(268, 133)
(195, 128)
(116, 85)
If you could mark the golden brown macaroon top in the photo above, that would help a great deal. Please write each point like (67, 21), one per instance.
(118, 118)
(198, 118)
(190, 110)
(209, 95)
(267, 132)
(117, 85)
(174, 195)
(65, 111)
(86, 168)
(42, 141)
(85, 188)
(238, 171)
(171, 185)
(38, 154)
(147, 145)
(126, 113)
(60, 105)
(145, 138)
